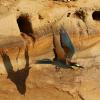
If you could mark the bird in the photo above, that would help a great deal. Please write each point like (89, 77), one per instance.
(63, 50)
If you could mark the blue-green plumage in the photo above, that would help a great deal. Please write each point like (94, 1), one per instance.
(56, 62)
(44, 61)
(66, 43)
(61, 64)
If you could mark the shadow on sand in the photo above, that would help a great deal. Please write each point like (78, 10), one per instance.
(17, 77)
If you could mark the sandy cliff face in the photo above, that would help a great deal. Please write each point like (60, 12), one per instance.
(26, 28)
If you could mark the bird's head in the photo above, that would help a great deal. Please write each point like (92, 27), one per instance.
(75, 64)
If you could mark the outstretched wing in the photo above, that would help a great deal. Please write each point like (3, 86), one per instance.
(66, 43)
(58, 50)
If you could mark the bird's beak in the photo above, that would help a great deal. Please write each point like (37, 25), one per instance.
(77, 65)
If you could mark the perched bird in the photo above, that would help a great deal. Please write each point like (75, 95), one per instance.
(64, 50)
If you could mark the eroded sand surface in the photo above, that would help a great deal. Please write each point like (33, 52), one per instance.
(26, 28)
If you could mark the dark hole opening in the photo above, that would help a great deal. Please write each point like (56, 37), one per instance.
(96, 15)
(24, 24)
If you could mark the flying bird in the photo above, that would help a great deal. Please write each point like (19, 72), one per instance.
(64, 51)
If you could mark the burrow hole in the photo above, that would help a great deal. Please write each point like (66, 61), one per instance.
(24, 24)
(96, 15)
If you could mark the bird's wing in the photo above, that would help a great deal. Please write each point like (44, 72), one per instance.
(58, 50)
(66, 43)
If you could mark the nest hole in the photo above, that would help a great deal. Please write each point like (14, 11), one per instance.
(24, 24)
(96, 15)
